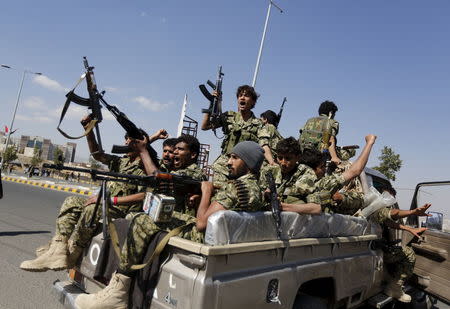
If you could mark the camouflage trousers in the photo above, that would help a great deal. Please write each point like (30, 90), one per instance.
(141, 232)
(399, 262)
(220, 170)
(74, 218)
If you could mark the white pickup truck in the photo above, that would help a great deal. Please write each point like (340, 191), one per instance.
(326, 261)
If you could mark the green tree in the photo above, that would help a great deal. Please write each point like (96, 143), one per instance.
(36, 159)
(10, 154)
(390, 163)
(94, 163)
(58, 156)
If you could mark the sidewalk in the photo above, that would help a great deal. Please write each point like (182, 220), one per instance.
(51, 183)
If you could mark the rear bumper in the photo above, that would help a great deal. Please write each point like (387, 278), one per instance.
(66, 292)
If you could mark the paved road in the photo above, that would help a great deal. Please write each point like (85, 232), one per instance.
(27, 219)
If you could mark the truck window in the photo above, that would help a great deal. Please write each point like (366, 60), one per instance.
(439, 197)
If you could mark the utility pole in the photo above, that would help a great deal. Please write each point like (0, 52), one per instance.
(255, 75)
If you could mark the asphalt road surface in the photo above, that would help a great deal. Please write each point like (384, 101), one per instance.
(27, 220)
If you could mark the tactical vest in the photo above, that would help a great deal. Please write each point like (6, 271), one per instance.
(316, 133)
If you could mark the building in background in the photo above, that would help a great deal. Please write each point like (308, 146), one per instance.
(25, 145)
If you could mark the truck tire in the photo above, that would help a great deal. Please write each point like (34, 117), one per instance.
(305, 301)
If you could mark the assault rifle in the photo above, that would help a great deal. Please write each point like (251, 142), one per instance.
(274, 202)
(215, 106)
(280, 112)
(93, 103)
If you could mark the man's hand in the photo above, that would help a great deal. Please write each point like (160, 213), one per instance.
(338, 197)
(91, 200)
(417, 231)
(207, 187)
(421, 211)
(85, 120)
(139, 144)
(370, 139)
(217, 94)
(160, 134)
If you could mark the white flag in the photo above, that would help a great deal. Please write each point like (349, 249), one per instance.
(183, 113)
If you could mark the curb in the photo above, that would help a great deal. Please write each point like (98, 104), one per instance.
(47, 186)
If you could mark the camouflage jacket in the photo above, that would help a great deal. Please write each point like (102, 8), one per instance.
(270, 136)
(125, 166)
(163, 167)
(242, 194)
(327, 186)
(293, 188)
(317, 131)
(181, 199)
(237, 130)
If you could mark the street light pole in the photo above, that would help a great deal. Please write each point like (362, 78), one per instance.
(15, 110)
(258, 59)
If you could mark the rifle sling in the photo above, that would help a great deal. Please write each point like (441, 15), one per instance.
(72, 97)
(159, 248)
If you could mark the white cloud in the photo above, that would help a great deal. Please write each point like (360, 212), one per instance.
(35, 103)
(111, 89)
(23, 117)
(48, 83)
(149, 104)
(74, 112)
(143, 14)
(163, 20)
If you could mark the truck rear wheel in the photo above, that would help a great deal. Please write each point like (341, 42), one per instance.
(305, 301)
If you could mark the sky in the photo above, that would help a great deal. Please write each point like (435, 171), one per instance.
(384, 63)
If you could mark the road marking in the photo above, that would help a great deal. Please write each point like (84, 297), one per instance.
(47, 186)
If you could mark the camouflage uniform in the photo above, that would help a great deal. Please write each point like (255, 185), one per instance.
(325, 188)
(243, 194)
(162, 167)
(74, 217)
(293, 188)
(352, 192)
(345, 154)
(236, 130)
(270, 136)
(399, 260)
(312, 133)
(194, 172)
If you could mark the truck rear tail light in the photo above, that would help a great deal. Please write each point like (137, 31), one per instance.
(76, 276)
(273, 291)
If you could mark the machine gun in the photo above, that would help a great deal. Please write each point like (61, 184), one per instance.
(184, 184)
(280, 113)
(94, 103)
(274, 203)
(215, 105)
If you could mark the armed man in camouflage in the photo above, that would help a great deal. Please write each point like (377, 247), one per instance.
(166, 162)
(328, 185)
(270, 121)
(294, 181)
(318, 132)
(399, 259)
(242, 193)
(185, 155)
(237, 127)
(73, 232)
